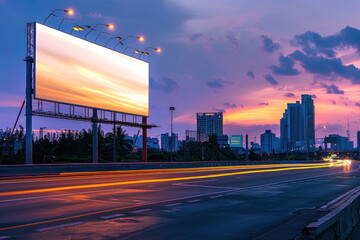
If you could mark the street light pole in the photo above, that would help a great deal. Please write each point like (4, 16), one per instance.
(172, 109)
(29, 146)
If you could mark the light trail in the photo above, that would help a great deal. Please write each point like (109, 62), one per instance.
(162, 180)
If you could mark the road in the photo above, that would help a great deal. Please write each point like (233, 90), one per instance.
(238, 202)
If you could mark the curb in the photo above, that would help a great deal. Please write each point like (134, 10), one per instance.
(339, 222)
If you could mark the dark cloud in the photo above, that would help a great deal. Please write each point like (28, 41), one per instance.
(166, 84)
(333, 102)
(250, 74)
(218, 82)
(332, 89)
(229, 105)
(327, 67)
(268, 44)
(195, 36)
(313, 96)
(233, 40)
(286, 67)
(289, 95)
(313, 43)
(271, 80)
(218, 109)
(263, 104)
(357, 104)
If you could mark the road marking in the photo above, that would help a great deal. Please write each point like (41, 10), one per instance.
(4, 237)
(164, 201)
(192, 201)
(58, 226)
(173, 204)
(216, 196)
(142, 210)
(113, 216)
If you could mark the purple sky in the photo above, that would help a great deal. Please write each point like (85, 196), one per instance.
(246, 58)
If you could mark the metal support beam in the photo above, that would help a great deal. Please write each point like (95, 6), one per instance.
(247, 147)
(144, 138)
(28, 114)
(95, 139)
(114, 153)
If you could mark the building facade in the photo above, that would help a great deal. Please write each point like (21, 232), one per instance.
(169, 144)
(297, 126)
(209, 123)
(335, 142)
(269, 142)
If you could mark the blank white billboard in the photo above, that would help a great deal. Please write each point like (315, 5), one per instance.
(75, 71)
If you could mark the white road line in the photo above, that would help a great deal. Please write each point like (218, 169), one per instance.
(173, 204)
(210, 180)
(58, 226)
(216, 196)
(192, 201)
(4, 237)
(113, 216)
(142, 210)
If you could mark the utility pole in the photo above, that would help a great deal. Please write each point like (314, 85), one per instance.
(29, 91)
(114, 153)
(247, 147)
(95, 139)
(172, 109)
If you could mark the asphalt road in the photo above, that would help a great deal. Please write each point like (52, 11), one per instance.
(240, 202)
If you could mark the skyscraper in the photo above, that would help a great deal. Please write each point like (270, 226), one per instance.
(210, 123)
(297, 127)
(358, 140)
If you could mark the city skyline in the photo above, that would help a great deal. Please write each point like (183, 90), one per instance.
(249, 65)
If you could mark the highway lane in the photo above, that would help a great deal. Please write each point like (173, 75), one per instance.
(152, 202)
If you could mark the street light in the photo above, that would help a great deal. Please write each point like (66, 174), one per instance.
(99, 35)
(79, 28)
(140, 38)
(68, 11)
(110, 26)
(156, 49)
(135, 51)
(118, 38)
(70, 19)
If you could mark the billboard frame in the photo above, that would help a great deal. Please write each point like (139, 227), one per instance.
(30, 96)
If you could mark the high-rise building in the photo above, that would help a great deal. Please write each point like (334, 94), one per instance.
(297, 127)
(358, 140)
(167, 142)
(209, 123)
(269, 142)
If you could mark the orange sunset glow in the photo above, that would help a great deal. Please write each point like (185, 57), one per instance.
(72, 70)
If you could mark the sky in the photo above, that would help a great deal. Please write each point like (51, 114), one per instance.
(245, 58)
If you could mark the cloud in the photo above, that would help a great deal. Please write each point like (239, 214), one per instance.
(229, 105)
(313, 96)
(333, 102)
(268, 44)
(327, 67)
(233, 40)
(250, 74)
(263, 104)
(313, 43)
(332, 89)
(218, 109)
(286, 67)
(357, 104)
(218, 82)
(289, 95)
(195, 36)
(166, 84)
(271, 80)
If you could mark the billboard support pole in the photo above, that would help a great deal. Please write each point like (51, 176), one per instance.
(144, 138)
(95, 139)
(28, 114)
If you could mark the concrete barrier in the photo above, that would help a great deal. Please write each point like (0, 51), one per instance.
(343, 215)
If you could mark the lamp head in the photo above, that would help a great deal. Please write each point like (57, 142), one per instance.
(69, 11)
(141, 38)
(158, 49)
(110, 26)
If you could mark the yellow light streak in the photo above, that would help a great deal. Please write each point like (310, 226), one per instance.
(159, 180)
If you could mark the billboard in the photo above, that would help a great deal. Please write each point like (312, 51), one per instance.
(74, 71)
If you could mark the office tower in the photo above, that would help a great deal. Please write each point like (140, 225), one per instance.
(167, 141)
(210, 123)
(358, 140)
(269, 142)
(297, 127)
